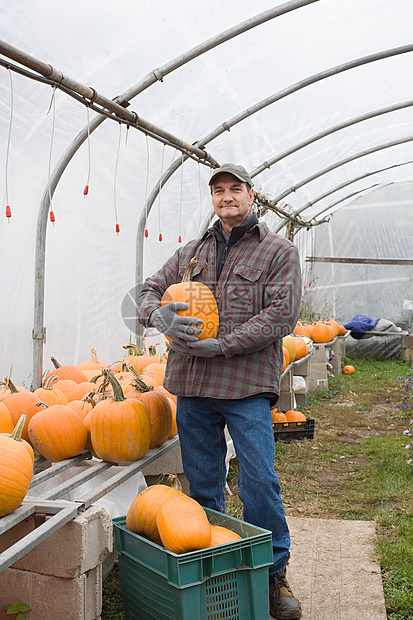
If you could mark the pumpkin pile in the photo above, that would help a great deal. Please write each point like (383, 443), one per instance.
(116, 412)
(168, 517)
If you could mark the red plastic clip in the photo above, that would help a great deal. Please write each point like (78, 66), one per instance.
(146, 232)
(8, 211)
(160, 236)
(179, 239)
(86, 190)
(117, 228)
(52, 217)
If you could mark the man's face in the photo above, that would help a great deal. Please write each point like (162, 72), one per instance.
(231, 199)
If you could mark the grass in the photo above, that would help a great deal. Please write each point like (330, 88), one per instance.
(354, 468)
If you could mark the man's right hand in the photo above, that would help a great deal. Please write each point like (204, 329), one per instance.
(180, 329)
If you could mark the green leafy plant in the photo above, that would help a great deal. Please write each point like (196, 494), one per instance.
(17, 608)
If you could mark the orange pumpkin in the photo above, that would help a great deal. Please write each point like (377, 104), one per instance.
(221, 535)
(289, 344)
(286, 359)
(161, 387)
(295, 416)
(66, 386)
(50, 394)
(57, 433)
(348, 369)
(183, 525)
(174, 428)
(323, 332)
(159, 410)
(278, 416)
(141, 516)
(301, 348)
(83, 406)
(342, 331)
(302, 330)
(68, 371)
(138, 359)
(82, 389)
(16, 468)
(21, 401)
(334, 325)
(120, 428)
(156, 370)
(6, 423)
(202, 303)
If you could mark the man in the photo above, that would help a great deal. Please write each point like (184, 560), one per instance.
(233, 379)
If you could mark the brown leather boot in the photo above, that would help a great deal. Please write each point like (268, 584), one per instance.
(283, 604)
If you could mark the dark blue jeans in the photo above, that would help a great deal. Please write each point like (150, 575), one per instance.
(201, 423)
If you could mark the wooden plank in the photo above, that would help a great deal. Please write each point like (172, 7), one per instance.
(359, 261)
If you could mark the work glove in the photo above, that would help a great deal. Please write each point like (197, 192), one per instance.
(200, 348)
(178, 328)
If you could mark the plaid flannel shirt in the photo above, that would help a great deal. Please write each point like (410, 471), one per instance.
(258, 296)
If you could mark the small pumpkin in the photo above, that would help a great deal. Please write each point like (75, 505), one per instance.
(221, 535)
(68, 371)
(174, 428)
(67, 386)
(138, 359)
(120, 428)
(50, 394)
(82, 389)
(84, 405)
(57, 433)
(201, 300)
(183, 525)
(156, 370)
(159, 409)
(295, 416)
(16, 468)
(278, 416)
(348, 369)
(21, 401)
(289, 344)
(301, 347)
(323, 332)
(94, 363)
(286, 359)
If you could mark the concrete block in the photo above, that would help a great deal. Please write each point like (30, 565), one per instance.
(75, 548)
(319, 354)
(285, 401)
(318, 371)
(53, 598)
(302, 369)
(317, 385)
(286, 381)
(407, 356)
(407, 342)
(170, 462)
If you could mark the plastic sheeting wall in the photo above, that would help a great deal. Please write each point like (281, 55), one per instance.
(89, 269)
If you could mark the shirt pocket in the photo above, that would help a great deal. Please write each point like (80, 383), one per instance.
(243, 291)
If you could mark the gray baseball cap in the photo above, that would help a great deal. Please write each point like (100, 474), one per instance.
(235, 169)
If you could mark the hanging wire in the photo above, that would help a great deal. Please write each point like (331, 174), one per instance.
(146, 186)
(180, 200)
(86, 190)
(8, 208)
(53, 108)
(117, 227)
(159, 197)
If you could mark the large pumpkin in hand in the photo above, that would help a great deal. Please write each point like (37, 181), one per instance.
(201, 300)
(16, 468)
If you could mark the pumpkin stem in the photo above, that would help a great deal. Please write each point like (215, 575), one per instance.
(49, 382)
(42, 405)
(141, 385)
(89, 398)
(18, 429)
(10, 385)
(94, 356)
(55, 362)
(187, 275)
(118, 394)
(152, 349)
(175, 482)
(133, 349)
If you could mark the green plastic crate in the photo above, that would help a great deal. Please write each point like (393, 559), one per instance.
(228, 582)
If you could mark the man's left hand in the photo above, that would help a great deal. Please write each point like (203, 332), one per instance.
(201, 348)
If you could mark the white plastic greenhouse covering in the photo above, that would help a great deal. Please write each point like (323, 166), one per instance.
(313, 97)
